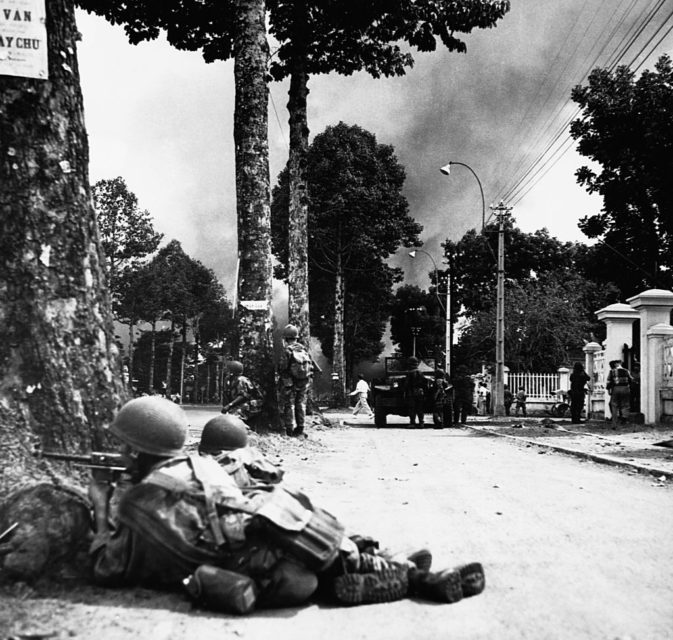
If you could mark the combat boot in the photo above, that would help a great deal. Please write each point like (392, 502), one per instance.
(450, 585)
(386, 585)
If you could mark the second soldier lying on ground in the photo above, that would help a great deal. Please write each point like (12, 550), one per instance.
(187, 522)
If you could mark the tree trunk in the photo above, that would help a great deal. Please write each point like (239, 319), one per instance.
(153, 355)
(129, 387)
(60, 369)
(298, 304)
(253, 196)
(197, 346)
(169, 364)
(338, 363)
(182, 357)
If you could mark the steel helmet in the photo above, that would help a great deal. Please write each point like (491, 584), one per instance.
(290, 331)
(152, 425)
(223, 433)
(234, 366)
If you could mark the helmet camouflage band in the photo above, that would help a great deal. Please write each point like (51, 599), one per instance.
(151, 425)
(223, 433)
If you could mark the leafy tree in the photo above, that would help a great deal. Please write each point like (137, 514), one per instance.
(358, 217)
(528, 256)
(127, 234)
(59, 366)
(626, 128)
(546, 319)
(413, 307)
(235, 29)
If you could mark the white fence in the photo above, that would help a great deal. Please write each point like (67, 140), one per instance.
(538, 386)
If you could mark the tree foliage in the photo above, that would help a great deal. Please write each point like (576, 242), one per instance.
(358, 217)
(126, 231)
(413, 307)
(546, 320)
(626, 128)
(552, 290)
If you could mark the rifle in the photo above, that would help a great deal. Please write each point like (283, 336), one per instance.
(106, 466)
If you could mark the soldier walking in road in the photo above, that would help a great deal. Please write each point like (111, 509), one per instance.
(578, 383)
(295, 370)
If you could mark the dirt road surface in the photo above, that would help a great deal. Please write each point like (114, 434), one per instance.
(571, 549)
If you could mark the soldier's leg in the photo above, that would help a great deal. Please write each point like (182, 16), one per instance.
(287, 394)
(300, 393)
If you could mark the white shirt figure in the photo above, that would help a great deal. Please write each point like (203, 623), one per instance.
(361, 390)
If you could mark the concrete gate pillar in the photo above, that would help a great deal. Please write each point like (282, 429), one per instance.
(590, 349)
(655, 374)
(654, 307)
(618, 319)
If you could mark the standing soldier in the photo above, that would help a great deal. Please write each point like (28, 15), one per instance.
(295, 370)
(442, 413)
(244, 397)
(463, 388)
(416, 386)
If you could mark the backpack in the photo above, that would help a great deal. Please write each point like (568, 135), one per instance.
(301, 365)
(202, 517)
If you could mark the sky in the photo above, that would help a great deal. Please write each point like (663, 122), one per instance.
(163, 120)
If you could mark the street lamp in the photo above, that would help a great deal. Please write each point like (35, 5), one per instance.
(446, 310)
(446, 170)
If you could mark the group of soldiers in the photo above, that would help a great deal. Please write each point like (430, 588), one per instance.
(224, 526)
(451, 395)
(245, 399)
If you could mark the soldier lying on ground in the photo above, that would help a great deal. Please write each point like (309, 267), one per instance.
(185, 520)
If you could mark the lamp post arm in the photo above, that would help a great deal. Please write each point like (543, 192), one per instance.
(481, 191)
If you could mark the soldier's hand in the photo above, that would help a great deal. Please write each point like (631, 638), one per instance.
(100, 492)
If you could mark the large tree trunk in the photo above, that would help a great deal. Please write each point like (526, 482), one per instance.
(253, 196)
(153, 356)
(129, 387)
(169, 363)
(60, 373)
(298, 305)
(338, 362)
(182, 357)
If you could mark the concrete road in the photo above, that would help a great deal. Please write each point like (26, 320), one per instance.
(571, 549)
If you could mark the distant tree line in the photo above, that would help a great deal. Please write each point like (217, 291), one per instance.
(161, 287)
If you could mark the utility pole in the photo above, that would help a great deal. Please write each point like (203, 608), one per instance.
(447, 328)
(501, 212)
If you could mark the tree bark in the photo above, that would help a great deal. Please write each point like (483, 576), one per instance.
(298, 300)
(253, 196)
(129, 387)
(153, 355)
(338, 362)
(60, 369)
(182, 357)
(169, 363)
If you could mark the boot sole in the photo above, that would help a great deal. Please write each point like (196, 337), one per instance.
(472, 578)
(386, 585)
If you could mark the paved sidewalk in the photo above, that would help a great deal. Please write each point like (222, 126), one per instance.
(628, 446)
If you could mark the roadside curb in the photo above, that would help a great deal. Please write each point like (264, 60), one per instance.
(578, 453)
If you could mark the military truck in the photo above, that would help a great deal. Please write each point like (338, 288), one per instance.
(388, 393)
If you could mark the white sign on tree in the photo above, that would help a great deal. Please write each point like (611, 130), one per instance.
(23, 39)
